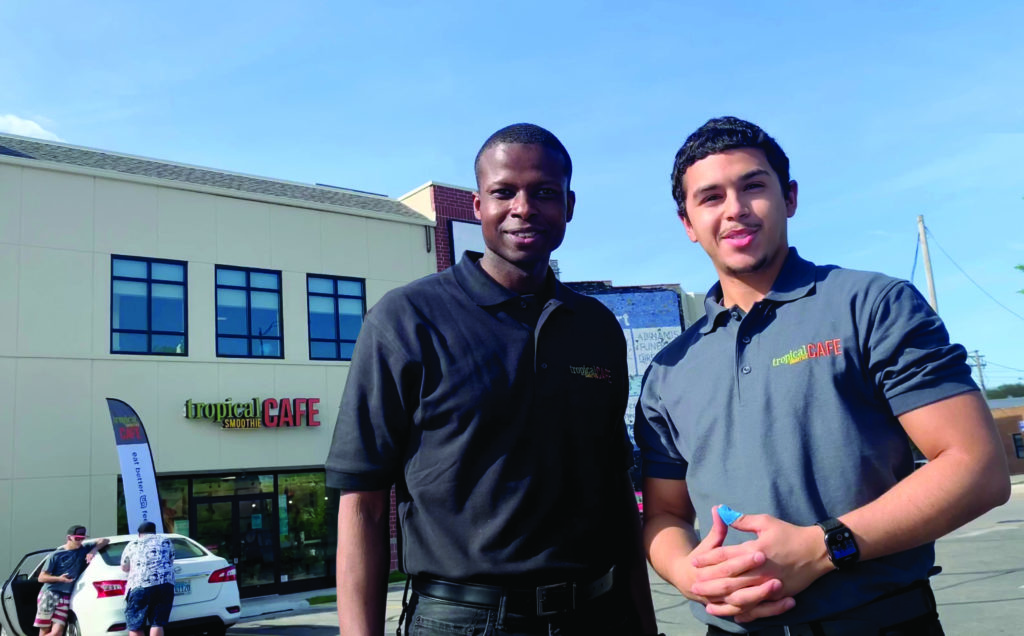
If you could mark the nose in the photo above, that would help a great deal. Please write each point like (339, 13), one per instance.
(734, 207)
(522, 207)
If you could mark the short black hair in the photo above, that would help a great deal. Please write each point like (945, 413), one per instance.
(529, 134)
(147, 527)
(721, 134)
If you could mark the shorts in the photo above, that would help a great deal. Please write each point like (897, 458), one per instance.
(148, 606)
(51, 607)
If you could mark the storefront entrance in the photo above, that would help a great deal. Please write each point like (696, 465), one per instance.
(243, 530)
(276, 527)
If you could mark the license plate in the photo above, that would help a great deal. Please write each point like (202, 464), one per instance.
(182, 587)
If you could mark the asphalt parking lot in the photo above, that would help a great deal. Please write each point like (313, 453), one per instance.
(980, 590)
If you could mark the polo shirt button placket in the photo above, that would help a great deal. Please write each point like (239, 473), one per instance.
(745, 369)
(745, 339)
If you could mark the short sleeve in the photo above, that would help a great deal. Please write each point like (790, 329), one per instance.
(48, 564)
(653, 431)
(910, 358)
(373, 420)
(126, 554)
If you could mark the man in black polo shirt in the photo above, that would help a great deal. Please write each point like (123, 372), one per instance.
(493, 398)
(794, 400)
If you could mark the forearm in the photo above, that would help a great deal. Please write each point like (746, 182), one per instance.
(362, 562)
(49, 578)
(944, 494)
(669, 541)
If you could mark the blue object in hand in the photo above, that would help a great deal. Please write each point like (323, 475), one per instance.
(728, 515)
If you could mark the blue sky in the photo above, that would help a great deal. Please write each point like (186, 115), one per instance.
(886, 113)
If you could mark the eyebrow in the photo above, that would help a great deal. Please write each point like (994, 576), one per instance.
(756, 172)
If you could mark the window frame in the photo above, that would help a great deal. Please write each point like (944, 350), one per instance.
(335, 296)
(149, 332)
(248, 289)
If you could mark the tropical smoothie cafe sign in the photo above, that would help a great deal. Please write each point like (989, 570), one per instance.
(257, 413)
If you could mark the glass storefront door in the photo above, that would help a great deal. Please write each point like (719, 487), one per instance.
(242, 529)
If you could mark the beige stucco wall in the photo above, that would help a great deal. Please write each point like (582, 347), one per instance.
(58, 229)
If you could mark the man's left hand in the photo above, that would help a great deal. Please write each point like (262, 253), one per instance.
(795, 555)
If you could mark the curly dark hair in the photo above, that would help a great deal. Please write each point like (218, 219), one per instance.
(721, 134)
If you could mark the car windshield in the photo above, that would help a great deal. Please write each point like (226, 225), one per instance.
(183, 549)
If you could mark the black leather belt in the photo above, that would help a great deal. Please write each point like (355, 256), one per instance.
(544, 600)
(875, 617)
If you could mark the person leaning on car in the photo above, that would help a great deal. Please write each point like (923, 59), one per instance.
(149, 562)
(58, 575)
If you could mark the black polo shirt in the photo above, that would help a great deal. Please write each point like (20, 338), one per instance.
(499, 418)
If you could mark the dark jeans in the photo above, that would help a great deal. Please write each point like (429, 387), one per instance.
(430, 617)
(148, 606)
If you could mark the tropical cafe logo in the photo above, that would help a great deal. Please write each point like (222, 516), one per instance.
(594, 373)
(256, 413)
(820, 349)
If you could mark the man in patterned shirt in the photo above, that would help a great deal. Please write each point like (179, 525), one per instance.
(149, 562)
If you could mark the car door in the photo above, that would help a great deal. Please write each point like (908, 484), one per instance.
(18, 595)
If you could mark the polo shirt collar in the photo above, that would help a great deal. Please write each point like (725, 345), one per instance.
(796, 279)
(485, 291)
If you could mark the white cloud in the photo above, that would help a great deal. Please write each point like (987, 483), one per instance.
(25, 127)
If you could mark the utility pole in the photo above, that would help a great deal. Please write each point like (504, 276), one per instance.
(927, 265)
(981, 376)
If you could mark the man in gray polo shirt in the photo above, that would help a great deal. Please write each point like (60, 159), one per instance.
(794, 400)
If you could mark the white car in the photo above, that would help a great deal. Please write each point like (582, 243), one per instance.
(205, 593)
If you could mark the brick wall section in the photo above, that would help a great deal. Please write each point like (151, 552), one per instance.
(449, 204)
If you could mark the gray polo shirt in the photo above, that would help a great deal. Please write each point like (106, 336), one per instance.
(791, 410)
(500, 419)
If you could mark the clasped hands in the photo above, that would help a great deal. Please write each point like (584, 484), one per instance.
(757, 578)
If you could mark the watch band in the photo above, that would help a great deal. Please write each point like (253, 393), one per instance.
(830, 524)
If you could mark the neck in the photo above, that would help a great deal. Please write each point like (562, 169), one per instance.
(746, 289)
(514, 278)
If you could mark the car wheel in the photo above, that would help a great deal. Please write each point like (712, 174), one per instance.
(73, 628)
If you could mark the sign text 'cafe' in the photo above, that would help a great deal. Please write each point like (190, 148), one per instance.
(256, 413)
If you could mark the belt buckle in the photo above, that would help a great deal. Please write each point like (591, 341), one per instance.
(560, 595)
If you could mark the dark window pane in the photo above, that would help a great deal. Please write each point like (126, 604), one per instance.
(168, 271)
(129, 268)
(266, 348)
(231, 277)
(346, 350)
(168, 344)
(323, 350)
(232, 346)
(130, 310)
(349, 326)
(321, 285)
(263, 280)
(231, 312)
(321, 317)
(265, 311)
(168, 308)
(350, 288)
(130, 342)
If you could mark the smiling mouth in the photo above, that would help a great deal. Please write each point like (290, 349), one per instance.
(740, 238)
(525, 234)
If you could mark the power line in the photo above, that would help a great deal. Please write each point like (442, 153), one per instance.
(1003, 366)
(966, 275)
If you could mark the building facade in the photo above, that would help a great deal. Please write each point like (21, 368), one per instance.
(223, 308)
(1009, 416)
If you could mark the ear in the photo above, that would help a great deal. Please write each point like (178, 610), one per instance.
(570, 205)
(476, 205)
(791, 200)
(685, 218)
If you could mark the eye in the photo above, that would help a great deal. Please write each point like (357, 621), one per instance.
(710, 198)
(754, 186)
(501, 193)
(547, 193)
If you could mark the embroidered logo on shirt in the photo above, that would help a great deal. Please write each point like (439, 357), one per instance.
(820, 349)
(594, 373)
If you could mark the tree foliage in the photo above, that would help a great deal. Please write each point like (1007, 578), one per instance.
(1006, 390)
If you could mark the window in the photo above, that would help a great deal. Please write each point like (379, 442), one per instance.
(336, 309)
(248, 313)
(1018, 445)
(148, 306)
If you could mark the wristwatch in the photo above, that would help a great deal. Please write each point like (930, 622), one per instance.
(840, 544)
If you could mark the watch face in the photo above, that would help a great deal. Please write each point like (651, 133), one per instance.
(841, 545)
